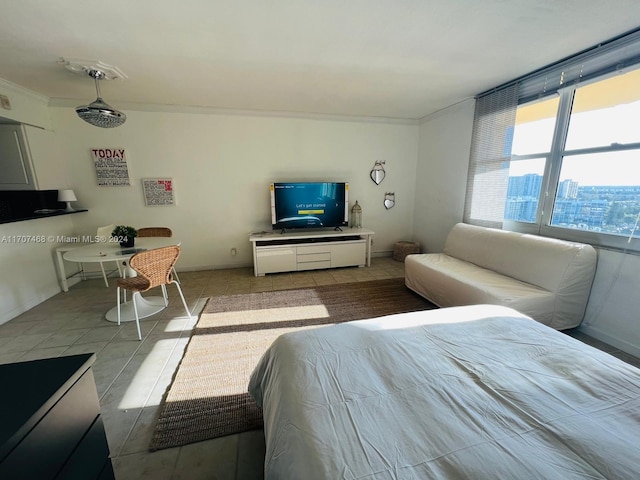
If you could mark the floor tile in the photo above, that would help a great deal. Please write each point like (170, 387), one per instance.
(64, 338)
(209, 459)
(250, 463)
(146, 465)
(140, 436)
(39, 353)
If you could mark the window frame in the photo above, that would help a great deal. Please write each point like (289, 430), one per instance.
(551, 177)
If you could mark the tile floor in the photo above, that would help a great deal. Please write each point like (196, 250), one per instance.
(131, 376)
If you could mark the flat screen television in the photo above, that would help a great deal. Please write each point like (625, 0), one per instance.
(309, 205)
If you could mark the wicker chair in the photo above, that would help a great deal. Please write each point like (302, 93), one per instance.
(158, 232)
(154, 270)
(155, 232)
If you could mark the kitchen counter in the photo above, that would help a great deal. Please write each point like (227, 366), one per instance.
(21, 205)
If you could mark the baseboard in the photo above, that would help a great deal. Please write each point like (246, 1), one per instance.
(611, 340)
(29, 303)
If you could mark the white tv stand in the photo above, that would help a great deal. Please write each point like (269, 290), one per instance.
(310, 250)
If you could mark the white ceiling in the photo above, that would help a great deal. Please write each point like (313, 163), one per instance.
(381, 58)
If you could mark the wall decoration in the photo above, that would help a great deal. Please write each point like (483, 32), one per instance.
(158, 192)
(389, 200)
(356, 216)
(111, 166)
(377, 172)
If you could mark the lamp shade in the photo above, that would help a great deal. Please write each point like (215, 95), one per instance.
(67, 196)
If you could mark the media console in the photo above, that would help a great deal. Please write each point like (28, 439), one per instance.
(310, 250)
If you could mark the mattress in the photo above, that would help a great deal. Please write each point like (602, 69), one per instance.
(463, 392)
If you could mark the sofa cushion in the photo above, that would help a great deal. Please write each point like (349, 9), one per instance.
(546, 262)
(448, 281)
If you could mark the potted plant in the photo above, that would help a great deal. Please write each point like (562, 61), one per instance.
(125, 235)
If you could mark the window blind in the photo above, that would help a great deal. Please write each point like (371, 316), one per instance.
(610, 56)
(488, 177)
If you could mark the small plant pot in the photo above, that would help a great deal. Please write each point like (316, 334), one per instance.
(128, 243)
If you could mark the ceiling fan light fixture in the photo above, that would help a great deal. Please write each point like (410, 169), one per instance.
(99, 113)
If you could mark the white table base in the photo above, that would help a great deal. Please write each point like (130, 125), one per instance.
(147, 306)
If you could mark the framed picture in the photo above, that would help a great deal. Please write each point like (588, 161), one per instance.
(111, 166)
(158, 192)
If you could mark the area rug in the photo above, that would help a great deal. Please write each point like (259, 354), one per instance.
(208, 396)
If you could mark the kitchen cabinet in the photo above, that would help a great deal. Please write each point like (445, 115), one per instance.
(16, 167)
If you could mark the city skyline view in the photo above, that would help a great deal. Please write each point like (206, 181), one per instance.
(587, 169)
(612, 209)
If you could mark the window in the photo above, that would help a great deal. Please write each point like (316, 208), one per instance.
(596, 187)
(568, 164)
(530, 152)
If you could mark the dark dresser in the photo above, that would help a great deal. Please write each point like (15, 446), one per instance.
(50, 424)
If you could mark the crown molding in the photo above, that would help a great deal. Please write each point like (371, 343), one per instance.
(6, 85)
(200, 110)
(445, 110)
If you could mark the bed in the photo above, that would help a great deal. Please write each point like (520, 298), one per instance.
(462, 392)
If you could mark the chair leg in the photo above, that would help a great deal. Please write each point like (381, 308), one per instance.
(135, 309)
(164, 295)
(184, 302)
(118, 300)
(123, 274)
(175, 275)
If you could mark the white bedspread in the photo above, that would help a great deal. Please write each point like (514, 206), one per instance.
(466, 392)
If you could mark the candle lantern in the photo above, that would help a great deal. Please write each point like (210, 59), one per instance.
(356, 215)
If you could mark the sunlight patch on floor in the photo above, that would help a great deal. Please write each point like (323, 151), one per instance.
(278, 314)
(149, 374)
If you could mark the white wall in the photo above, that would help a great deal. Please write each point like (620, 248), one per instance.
(613, 312)
(441, 176)
(27, 269)
(222, 165)
(29, 274)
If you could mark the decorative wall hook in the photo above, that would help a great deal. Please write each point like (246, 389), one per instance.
(389, 200)
(377, 172)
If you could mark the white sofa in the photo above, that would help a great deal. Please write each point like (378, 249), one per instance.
(545, 278)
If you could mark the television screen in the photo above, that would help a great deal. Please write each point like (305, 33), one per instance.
(309, 204)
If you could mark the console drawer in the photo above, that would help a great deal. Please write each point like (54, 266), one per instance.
(307, 249)
(313, 265)
(314, 257)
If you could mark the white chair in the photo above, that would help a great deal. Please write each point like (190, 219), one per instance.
(103, 235)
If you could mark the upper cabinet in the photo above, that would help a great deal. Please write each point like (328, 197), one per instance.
(16, 167)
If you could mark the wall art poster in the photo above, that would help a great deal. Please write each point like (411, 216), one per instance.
(111, 166)
(158, 191)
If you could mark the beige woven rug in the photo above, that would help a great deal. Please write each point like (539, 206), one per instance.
(208, 396)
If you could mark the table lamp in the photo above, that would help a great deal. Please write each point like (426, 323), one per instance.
(67, 196)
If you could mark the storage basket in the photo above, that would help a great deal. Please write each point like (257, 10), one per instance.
(402, 249)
